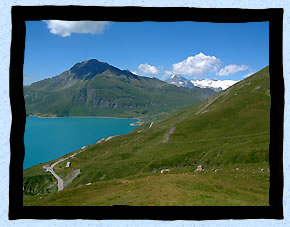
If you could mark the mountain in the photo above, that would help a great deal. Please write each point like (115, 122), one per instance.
(228, 134)
(93, 88)
(179, 81)
(216, 85)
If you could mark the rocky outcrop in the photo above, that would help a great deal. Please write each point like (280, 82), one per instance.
(167, 135)
(199, 168)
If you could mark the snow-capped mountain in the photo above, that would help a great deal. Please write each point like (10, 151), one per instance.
(179, 81)
(216, 85)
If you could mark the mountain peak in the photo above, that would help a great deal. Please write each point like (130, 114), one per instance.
(85, 63)
(179, 81)
(88, 69)
(177, 77)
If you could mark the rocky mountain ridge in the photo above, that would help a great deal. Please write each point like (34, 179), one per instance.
(94, 88)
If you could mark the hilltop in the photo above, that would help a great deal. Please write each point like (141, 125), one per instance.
(228, 134)
(94, 88)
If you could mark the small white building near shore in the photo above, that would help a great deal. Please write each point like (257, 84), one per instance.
(67, 164)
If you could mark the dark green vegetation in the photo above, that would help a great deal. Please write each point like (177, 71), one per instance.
(38, 184)
(94, 88)
(228, 134)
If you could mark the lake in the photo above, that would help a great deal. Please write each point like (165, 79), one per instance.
(46, 139)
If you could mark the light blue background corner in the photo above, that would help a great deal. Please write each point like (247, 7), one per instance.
(5, 112)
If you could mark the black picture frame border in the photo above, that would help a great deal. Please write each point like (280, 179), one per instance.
(20, 14)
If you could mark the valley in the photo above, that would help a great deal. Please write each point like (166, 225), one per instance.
(227, 134)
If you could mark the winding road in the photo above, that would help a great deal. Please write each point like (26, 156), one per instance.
(50, 169)
(59, 180)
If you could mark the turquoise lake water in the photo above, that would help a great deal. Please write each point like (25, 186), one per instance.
(46, 139)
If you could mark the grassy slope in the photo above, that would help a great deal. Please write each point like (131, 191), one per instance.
(228, 131)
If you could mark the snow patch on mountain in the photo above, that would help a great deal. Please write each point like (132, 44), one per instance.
(216, 85)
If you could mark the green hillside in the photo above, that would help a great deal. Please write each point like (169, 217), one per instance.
(228, 134)
(94, 88)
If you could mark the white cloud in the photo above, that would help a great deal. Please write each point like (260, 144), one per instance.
(248, 74)
(230, 69)
(148, 69)
(197, 65)
(65, 28)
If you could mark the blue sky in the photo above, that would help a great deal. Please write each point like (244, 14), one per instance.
(195, 50)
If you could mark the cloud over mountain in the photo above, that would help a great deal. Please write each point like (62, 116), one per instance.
(230, 69)
(197, 65)
(66, 28)
(148, 69)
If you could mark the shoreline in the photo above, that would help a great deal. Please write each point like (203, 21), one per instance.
(86, 117)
